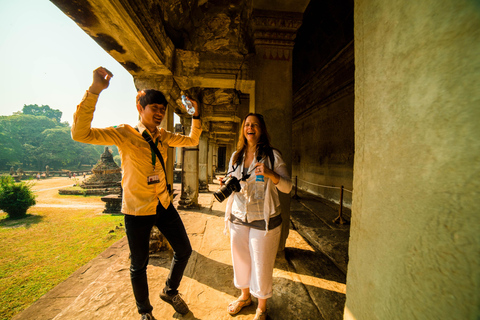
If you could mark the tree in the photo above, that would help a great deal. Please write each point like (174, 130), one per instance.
(10, 150)
(23, 130)
(44, 110)
(26, 128)
(15, 198)
(59, 150)
(56, 148)
(35, 141)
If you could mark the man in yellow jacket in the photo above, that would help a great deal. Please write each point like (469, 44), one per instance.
(146, 199)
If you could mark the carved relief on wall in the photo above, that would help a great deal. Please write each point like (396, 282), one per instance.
(274, 34)
(275, 53)
(219, 102)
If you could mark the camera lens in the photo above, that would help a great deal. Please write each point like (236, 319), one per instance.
(231, 184)
(222, 193)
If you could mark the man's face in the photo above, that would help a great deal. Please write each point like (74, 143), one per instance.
(152, 115)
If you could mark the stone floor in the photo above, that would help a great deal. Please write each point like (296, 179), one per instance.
(309, 276)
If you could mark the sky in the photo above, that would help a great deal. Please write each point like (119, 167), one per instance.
(46, 59)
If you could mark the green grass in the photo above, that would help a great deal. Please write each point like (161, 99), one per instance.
(43, 249)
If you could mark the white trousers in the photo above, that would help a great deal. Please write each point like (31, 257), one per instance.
(253, 255)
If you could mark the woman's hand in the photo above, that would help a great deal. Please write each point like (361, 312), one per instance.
(101, 80)
(261, 169)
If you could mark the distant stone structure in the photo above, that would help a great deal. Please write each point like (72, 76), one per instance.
(105, 180)
(106, 173)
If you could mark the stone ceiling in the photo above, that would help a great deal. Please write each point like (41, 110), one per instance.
(203, 47)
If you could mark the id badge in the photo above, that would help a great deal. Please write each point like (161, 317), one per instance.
(153, 179)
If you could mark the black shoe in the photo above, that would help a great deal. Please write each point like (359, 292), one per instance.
(147, 316)
(176, 301)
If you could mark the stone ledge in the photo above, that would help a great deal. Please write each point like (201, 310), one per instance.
(89, 192)
(65, 293)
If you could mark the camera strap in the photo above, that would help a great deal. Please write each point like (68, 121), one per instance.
(154, 148)
(246, 175)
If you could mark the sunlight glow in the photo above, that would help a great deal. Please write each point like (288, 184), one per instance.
(319, 283)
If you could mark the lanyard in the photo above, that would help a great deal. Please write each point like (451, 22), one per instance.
(154, 155)
(153, 148)
(155, 151)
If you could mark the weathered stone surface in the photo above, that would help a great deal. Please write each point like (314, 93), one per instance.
(300, 290)
(323, 100)
(290, 298)
(314, 221)
(63, 295)
(325, 283)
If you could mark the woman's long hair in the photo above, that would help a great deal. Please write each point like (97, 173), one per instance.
(264, 148)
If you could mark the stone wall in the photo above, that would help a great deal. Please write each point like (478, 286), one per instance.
(323, 101)
(414, 239)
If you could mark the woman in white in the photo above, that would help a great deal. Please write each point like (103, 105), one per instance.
(254, 216)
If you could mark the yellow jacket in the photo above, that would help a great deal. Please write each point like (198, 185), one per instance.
(139, 198)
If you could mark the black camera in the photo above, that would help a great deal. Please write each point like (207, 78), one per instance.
(231, 185)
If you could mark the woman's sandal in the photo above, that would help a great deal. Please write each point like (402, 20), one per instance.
(237, 305)
(260, 315)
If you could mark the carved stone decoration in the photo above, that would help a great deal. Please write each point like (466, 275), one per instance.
(217, 25)
(220, 97)
(274, 33)
(223, 127)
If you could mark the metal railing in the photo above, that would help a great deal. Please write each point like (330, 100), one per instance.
(340, 219)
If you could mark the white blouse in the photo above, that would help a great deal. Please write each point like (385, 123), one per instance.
(243, 204)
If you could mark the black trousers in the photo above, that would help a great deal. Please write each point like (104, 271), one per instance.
(138, 234)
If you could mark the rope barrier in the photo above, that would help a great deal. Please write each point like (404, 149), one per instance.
(340, 218)
(319, 185)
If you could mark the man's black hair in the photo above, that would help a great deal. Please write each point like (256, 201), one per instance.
(151, 96)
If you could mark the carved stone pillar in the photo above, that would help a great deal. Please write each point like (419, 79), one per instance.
(202, 162)
(228, 155)
(179, 155)
(274, 33)
(189, 195)
(215, 157)
(167, 124)
(210, 171)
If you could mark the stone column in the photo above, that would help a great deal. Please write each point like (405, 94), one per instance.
(167, 124)
(414, 238)
(215, 157)
(189, 195)
(228, 155)
(179, 155)
(274, 34)
(210, 172)
(202, 162)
